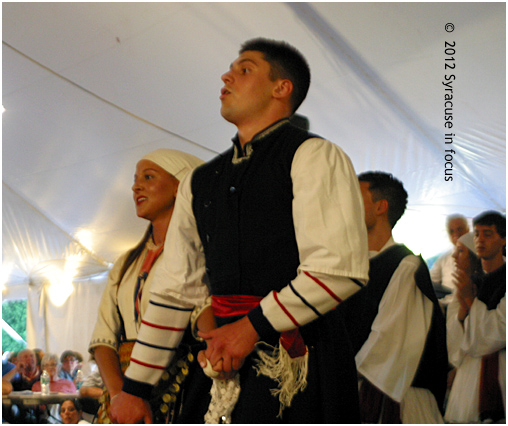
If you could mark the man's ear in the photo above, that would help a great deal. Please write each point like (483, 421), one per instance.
(283, 89)
(382, 206)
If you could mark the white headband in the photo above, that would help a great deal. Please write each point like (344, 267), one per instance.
(175, 162)
(468, 241)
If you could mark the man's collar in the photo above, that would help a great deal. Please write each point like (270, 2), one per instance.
(242, 154)
(495, 270)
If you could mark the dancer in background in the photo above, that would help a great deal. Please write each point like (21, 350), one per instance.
(476, 326)
(395, 322)
(441, 271)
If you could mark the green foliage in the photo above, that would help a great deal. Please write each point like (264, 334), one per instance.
(14, 314)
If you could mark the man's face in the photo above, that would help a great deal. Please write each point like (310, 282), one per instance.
(488, 242)
(457, 228)
(27, 360)
(369, 205)
(70, 363)
(247, 89)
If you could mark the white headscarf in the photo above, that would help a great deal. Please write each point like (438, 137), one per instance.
(175, 162)
(468, 241)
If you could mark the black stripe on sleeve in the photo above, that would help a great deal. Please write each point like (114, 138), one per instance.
(176, 308)
(164, 348)
(305, 301)
(357, 282)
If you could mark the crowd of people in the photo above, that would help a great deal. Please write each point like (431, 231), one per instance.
(268, 287)
(21, 371)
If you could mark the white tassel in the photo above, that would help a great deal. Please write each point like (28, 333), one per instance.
(289, 373)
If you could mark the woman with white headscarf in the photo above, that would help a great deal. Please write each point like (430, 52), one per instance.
(127, 294)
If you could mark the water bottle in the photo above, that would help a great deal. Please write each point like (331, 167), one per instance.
(79, 379)
(45, 383)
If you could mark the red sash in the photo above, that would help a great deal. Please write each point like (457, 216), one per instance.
(235, 305)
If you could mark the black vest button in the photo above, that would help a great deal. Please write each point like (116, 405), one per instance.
(232, 190)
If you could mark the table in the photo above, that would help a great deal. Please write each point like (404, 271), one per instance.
(32, 400)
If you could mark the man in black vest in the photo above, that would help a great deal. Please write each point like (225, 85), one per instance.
(275, 226)
(395, 323)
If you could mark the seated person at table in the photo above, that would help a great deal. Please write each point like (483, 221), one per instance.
(13, 357)
(50, 364)
(92, 386)
(6, 387)
(9, 371)
(13, 413)
(39, 354)
(28, 371)
(71, 412)
(90, 392)
(69, 366)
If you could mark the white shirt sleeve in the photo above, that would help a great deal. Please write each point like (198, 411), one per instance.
(390, 356)
(178, 286)
(328, 214)
(107, 328)
(181, 272)
(454, 333)
(484, 329)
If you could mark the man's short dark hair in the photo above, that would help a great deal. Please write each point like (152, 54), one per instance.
(384, 186)
(67, 353)
(285, 62)
(492, 218)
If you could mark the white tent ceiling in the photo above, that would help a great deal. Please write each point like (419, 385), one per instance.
(88, 88)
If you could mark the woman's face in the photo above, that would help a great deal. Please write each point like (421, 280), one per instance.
(51, 366)
(69, 413)
(154, 191)
(461, 257)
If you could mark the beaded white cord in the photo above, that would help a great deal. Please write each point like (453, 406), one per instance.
(224, 395)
